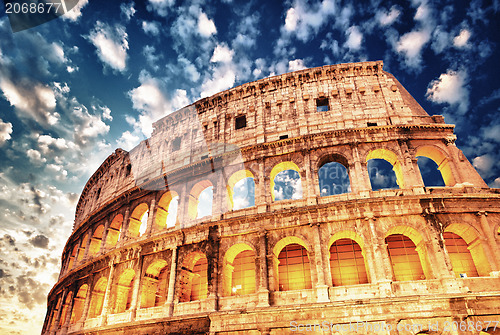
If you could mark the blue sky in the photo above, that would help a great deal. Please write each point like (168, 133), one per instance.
(78, 87)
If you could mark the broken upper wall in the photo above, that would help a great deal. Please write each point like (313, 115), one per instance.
(306, 102)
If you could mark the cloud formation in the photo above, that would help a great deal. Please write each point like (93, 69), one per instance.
(111, 43)
(450, 88)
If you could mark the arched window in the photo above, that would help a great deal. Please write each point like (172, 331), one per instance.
(438, 171)
(404, 258)
(81, 250)
(347, 263)
(114, 231)
(139, 220)
(294, 268)
(239, 270)
(429, 171)
(79, 303)
(194, 280)
(124, 291)
(65, 308)
(72, 257)
(95, 242)
(460, 256)
(200, 200)
(154, 284)
(333, 177)
(97, 297)
(166, 211)
(285, 182)
(241, 190)
(384, 170)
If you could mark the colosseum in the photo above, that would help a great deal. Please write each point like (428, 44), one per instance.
(256, 211)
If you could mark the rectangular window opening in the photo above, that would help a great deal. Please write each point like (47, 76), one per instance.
(176, 145)
(322, 105)
(283, 137)
(372, 124)
(240, 122)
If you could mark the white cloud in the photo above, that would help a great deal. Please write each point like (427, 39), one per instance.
(354, 38)
(304, 20)
(387, 18)
(206, 27)
(496, 183)
(88, 126)
(160, 6)
(460, 41)
(189, 68)
(111, 44)
(75, 13)
(37, 101)
(128, 140)
(151, 27)
(450, 88)
(5, 131)
(296, 65)
(484, 164)
(440, 40)
(411, 45)
(35, 156)
(151, 56)
(222, 53)
(222, 79)
(128, 10)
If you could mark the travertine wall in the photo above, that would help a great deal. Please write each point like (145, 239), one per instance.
(370, 115)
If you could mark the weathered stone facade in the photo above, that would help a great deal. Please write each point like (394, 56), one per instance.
(125, 274)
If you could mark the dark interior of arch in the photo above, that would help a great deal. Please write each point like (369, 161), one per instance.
(429, 171)
(382, 176)
(333, 179)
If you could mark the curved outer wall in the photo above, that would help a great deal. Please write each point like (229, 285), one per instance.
(110, 268)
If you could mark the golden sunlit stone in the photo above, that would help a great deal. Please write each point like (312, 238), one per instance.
(412, 260)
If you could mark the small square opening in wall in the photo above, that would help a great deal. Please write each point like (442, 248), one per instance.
(283, 137)
(176, 144)
(322, 105)
(372, 124)
(240, 122)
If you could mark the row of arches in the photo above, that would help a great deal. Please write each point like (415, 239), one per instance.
(292, 264)
(385, 171)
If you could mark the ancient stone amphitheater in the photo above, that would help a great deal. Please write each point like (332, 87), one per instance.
(145, 258)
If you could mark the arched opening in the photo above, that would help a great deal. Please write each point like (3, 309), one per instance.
(97, 297)
(347, 263)
(96, 240)
(333, 176)
(239, 270)
(79, 303)
(285, 182)
(194, 279)
(81, 250)
(458, 252)
(441, 163)
(72, 257)
(460, 257)
(114, 231)
(294, 270)
(139, 220)
(155, 284)
(429, 171)
(384, 170)
(200, 200)
(166, 211)
(404, 258)
(65, 308)
(124, 291)
(241, 190)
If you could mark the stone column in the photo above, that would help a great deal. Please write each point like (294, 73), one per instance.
(263, 290)
(124, 233)
(262, 189)
(494, 252)
(321, 287)
(70, 310)
(135, 303)
(104, 236)
(87, 246)
(360, 179)
(107, 294)
(169, 303)
(382, 265)
(308, 192)
(151, 215)
(183, 206)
